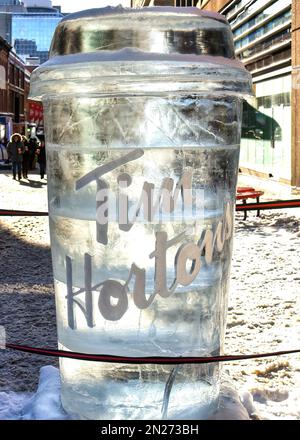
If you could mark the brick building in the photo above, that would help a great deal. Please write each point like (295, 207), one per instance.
(4, 115)
(14, 90)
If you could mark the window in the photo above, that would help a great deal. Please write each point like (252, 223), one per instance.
(21, 97)
(11, 73)
(183, 3)
(33, 33)
(277, 6)
(22, 80)
(11, 102)
(2, 77)
(236, 6)
(281, 19)
(266, 44)
(268, 61)
(3, 100)
(17, 108)
(17, 78)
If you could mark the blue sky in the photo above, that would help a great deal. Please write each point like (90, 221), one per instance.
(78, 5)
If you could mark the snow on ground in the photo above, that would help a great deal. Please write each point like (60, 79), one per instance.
(263, 309)
(42, 405)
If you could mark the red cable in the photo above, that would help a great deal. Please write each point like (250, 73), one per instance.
(269, 205)
(239, 207)
(151, 360)
(16, 213)
(143, 360)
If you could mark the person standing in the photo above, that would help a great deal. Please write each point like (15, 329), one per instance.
(15, 150)
(41, 158)
(26, 157)
(33, 144)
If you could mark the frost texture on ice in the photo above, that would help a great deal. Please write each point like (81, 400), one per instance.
(45, 403)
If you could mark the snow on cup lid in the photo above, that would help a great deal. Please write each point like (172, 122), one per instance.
(96, 46)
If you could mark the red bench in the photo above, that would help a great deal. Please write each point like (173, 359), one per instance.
(245, 193)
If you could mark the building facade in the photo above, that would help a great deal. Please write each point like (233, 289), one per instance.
(4, 115)
(14, 90)
(32, 32)
(266, 36)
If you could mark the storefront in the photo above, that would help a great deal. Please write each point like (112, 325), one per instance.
(266, 133)
(35, 125)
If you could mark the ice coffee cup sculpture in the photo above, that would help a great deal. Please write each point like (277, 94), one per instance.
(143, 121)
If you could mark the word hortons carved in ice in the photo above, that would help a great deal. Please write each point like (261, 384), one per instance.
(113, 294)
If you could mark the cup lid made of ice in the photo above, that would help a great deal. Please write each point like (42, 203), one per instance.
(167, 49)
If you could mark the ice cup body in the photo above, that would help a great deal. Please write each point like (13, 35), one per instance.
(143, 120)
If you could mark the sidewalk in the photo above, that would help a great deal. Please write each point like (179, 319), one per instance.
(30, 194)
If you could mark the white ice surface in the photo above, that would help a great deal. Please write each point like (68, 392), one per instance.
(109, 10)
(132, 54)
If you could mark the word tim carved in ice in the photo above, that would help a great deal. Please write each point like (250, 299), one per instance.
(116, 206)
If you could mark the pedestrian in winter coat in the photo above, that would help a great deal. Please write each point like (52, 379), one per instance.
(33, 144)
(26, 157)
(15, 150)
(41, 158)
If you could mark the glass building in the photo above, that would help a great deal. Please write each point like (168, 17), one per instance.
(35, 26)
(9, 2)
(262, 36)
(29, 28)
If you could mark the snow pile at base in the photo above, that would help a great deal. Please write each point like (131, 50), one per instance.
(45, 403)
(12, 404)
